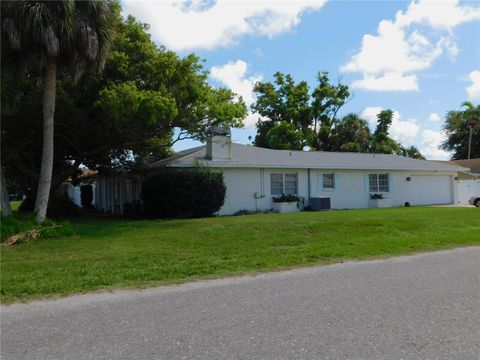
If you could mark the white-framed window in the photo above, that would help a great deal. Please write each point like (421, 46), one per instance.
(328, 181)
(284, 183)
(378, 183)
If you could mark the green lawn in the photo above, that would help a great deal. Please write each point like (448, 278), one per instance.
(109, 253)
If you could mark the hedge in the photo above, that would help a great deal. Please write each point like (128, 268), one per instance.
(173, 193)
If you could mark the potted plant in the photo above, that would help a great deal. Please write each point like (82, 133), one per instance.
(379, 201)
(286, 203)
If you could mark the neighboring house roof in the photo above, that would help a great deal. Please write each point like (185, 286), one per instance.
(247, 156)
(473, 166)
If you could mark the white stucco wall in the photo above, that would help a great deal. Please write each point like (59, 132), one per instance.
(351, 192)
(466, 190)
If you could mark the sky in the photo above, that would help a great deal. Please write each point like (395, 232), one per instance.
(419, 58)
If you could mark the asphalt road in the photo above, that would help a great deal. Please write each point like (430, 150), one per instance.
(417, 307)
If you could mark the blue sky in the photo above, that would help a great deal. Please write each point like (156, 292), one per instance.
(419, 58)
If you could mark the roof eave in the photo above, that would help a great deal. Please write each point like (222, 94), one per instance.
(316, 167)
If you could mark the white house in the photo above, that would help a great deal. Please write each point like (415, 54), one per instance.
(253, 176)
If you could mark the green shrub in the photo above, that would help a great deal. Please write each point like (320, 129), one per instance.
(12, 225)
(183, 193)
(286, 198)
(86, 196)
(133, 209)
(59, 206)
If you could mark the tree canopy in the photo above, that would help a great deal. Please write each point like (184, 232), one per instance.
(126, 114)
(312, 114)
(458, 124)
(67, 36)
(293, 117)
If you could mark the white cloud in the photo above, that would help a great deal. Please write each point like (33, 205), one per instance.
(387, 82)
(370, 114)
(437, 14)
(431, 145)
(434, 117)
(390, 59)
(233, 76)
(392, 51)
(403, 131)
(473, 91)
(206, 24)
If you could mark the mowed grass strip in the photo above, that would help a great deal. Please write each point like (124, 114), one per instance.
(109, 253)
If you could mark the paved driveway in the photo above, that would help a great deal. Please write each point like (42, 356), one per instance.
(417, 307)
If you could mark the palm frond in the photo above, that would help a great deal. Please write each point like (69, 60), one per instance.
(51, 42)
(12, 32)
(468, 104)
(77, 33)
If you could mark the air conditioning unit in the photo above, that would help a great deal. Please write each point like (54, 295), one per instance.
(320, 203)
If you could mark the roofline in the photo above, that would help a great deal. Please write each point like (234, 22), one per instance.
(268, 166)
(178, 155)
(171, 161)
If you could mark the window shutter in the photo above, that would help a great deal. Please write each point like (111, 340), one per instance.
(319, 181)
(391, 182)
(366, 183)
(337, 180)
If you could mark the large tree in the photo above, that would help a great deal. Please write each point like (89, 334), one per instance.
(328, 99)
(282, 101)
(119, 117)
(63, 36)
(382, 143)
(286, 102)
(463, 127)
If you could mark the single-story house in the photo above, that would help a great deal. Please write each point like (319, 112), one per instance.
(254, 176)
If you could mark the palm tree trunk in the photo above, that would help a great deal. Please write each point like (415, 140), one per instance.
(5, 201)
(44, 183)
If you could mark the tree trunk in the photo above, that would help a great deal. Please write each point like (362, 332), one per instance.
(5, 201)
(44, 183)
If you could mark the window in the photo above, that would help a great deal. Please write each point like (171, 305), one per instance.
(276, 184)
(283, 184)
(378, 183)
(290, 184)
(328, 181)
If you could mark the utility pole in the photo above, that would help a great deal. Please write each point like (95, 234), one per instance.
(470, 141)
(471, 125)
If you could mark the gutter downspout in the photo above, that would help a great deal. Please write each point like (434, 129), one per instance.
(309, 187)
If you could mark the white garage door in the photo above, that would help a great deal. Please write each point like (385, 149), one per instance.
(431, 190)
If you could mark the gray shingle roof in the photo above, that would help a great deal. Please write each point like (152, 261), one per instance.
(247, 156)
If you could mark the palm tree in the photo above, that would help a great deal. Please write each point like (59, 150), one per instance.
(472, 116)
(5, 200)
(463, 132)
(63, 35)
(411, 152)
(351, 134)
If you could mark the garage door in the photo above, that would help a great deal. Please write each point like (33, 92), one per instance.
(431, 190)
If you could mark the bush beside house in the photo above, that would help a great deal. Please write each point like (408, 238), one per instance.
(185, 193)
(59, 206)
(86, 196)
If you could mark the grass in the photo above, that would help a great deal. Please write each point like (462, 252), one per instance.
(111, 253)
